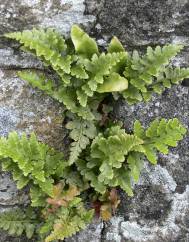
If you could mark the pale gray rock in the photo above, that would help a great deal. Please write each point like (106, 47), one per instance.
(92, 233)
(26, 110)
(59, 14)
(168, 230)
(11, 60)
(157, 176)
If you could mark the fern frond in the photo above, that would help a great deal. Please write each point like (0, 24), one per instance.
(29, 160)
(38, 80)
(68, 97)
(17, 222)
(148, 73)
(69, 218)
(107, 156)
(84, 45)
(135, 164)
(100, 67)
(116, 158)
(65, 95)
(113, 83)
(68, 224)
(168, 77)
(79, 71)
(160, 135)
(112, 152)
(82, 131)
(48, 45)
(115, 46)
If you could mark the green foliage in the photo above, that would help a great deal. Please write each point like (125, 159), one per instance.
(159, 136)
(65, 95)
(83, 71)
(106, 163)
(100, 158)
(115, 46)
(82, 131)
(38, 80)
(65, 215)
(111, 85)
(116, 157)
(17, 222)
(84, 45)
(30, 161)
(48, 46)
(152, 73)
(68, 222)
(102, 69)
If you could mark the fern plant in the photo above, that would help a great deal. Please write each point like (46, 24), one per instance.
(152, 73)
(17, 221)
(30, 161)
(64, 215)
(116, 157)
(102, 156)
(84, 72)
(39, 166)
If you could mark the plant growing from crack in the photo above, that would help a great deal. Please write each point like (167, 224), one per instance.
(102, 155)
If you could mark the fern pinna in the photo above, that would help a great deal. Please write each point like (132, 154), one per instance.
(100, 158)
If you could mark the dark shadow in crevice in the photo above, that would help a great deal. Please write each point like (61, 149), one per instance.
(185, 82)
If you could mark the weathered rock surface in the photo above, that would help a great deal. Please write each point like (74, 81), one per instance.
(159, 210)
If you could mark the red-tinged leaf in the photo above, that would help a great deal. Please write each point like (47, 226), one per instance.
(114, 199)
(72, 192)
(97, 205)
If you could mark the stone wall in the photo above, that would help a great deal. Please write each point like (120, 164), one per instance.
(159, 211)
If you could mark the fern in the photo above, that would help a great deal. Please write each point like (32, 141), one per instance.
(69, 98)
(84, 71)
(17, 222)
(66, 214)
(68, 222)
(116, 157)
(30, 161)
(48, 45)
(107, 155)
(65, 95)
(152, 73)
(98, 68)
(100, 158)
(168, 77)
(38, 80)
(159, 136)
(115, 46)
(84, 45)
(82, 131)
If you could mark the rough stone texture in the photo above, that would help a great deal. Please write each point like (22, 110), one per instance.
(159, 210)
(22, 14)
(92, 233)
